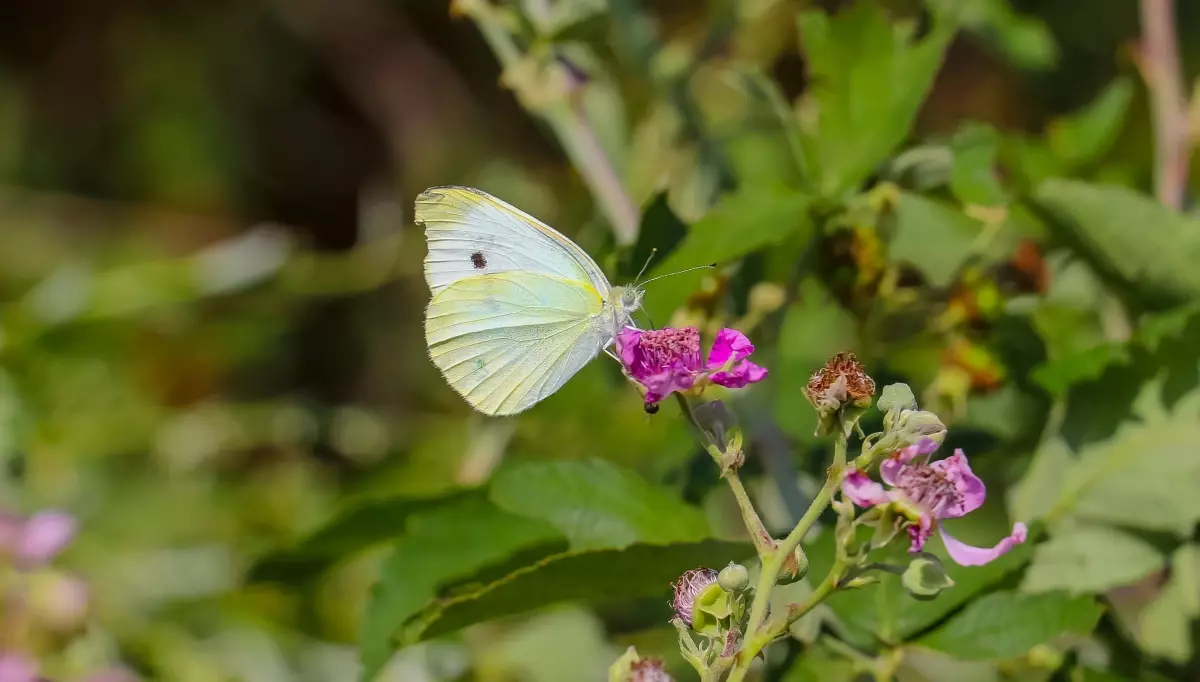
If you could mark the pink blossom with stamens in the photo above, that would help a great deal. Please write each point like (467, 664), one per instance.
(945, 489)
(664, 361)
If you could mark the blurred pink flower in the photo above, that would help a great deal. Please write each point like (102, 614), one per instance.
(17, 667)
(664, 361)
(43, 536)
(927, 492)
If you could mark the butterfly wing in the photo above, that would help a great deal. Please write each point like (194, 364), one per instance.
(507, 340)
(472, 233)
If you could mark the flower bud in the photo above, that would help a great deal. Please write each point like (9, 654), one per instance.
(795, 568)
(734, 578)
(925, 578)
(917, 425)
(688, 588)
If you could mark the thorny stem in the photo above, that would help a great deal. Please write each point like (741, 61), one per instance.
(1159, 62)
(570, 124)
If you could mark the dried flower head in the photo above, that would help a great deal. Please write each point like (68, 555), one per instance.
(649, 670)
(689, 586)
(842, 379)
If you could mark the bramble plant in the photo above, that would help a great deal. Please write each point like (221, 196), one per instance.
(733, 619)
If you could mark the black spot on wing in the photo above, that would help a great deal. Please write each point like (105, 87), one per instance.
(478, 260)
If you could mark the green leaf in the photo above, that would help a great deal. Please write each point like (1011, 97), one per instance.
(597, 504)
(740, 224)
(1023, 40)
(1089, 558)
(815, 328)
(357, 528)
(1034, 496)
(609, 575)
(1090, 132)
(867, 79)
(440, 546)
(819, 664)
(1058, 376)
(1144, 476)
(1003, 625)
(973, 178)
(1129, 236)
(1163, 627)
(932, 236)
(885, 612)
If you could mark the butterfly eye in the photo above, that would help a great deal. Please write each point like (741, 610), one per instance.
(478, 260)
(652, 408)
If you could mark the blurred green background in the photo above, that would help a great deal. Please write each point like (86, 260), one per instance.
(211, 339)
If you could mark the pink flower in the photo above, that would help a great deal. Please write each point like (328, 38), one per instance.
(926, 492)
(17, 667)
(43, 536)
(664, 361)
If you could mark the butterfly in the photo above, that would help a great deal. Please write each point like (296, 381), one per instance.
(517, 308)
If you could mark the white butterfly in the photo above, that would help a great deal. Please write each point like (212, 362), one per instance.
(517, 308)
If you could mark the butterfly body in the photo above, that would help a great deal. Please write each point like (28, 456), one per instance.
(517, 308)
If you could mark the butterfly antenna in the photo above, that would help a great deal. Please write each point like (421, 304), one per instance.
(680, 272)
(645, 265)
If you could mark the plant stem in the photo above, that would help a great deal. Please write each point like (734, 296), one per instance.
(758, 634)
(764, 544)
(1160, 68)
(570, 124)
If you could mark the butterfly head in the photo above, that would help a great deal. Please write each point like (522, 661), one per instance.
(628, 299)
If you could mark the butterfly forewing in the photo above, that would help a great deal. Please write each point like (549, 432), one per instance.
(472, 233)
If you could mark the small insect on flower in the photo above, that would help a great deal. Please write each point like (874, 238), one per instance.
(925, 493)
(664, 361)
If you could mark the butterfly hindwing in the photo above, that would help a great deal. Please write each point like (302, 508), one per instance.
(505, 341)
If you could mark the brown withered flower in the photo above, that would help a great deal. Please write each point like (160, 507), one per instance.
(841, 380)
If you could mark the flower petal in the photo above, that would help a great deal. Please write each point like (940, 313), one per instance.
(890, 467)
(730, 346)
(742, 374)
(967, 555)
(627, 342)
(966, 483)
(862, 490)
(659, 386)
(919, 533)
